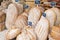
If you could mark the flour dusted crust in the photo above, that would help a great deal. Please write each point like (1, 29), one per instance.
(57, 11)
(21, 21)
(11, 15)
(27, 34)
(34, 15)
(11, 34)
(55, 32)
(51, 16)
(42, 28)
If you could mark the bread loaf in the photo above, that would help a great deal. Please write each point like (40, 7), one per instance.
(55, 33)
(27, 34)
(42, 28)
(51, 16)
(11, 34)
(11, 15)
(34, 15)
(2, 26)
(21, 21)
(57, 11)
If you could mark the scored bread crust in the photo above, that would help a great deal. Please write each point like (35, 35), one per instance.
(21, 21)
(11, 15)
(34, 15)
(42, 28)
(51, 16)
(57, 11)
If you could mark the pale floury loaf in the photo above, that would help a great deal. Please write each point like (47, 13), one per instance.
(27, 34)
(57, 11)
(51, 16)
(34, 15)
(21, 21)
(11, 15)
(42, 29)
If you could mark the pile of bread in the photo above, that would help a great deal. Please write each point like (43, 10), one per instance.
(35, 24)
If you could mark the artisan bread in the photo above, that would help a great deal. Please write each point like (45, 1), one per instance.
(11, 15)
(42, 28)
(27, 34)
(51, 16)
(57, 11)
(21, 21)
(34, 15)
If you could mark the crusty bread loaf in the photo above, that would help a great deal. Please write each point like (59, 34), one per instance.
(34, 15)
(42, 28)
(11, 15)
(2, 16)
(51, 16)
(57, 11)
(55, 32)
(27, 34)
(11, 34)
(21, 21)
(2, 26)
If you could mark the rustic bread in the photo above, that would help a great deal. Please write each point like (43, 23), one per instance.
(57, 11)
(27, 34)
(42, 28)
(11, 15)
(34, 15)
(51, 16)
(21, 21)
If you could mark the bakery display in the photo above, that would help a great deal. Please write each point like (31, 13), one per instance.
(30, 20)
